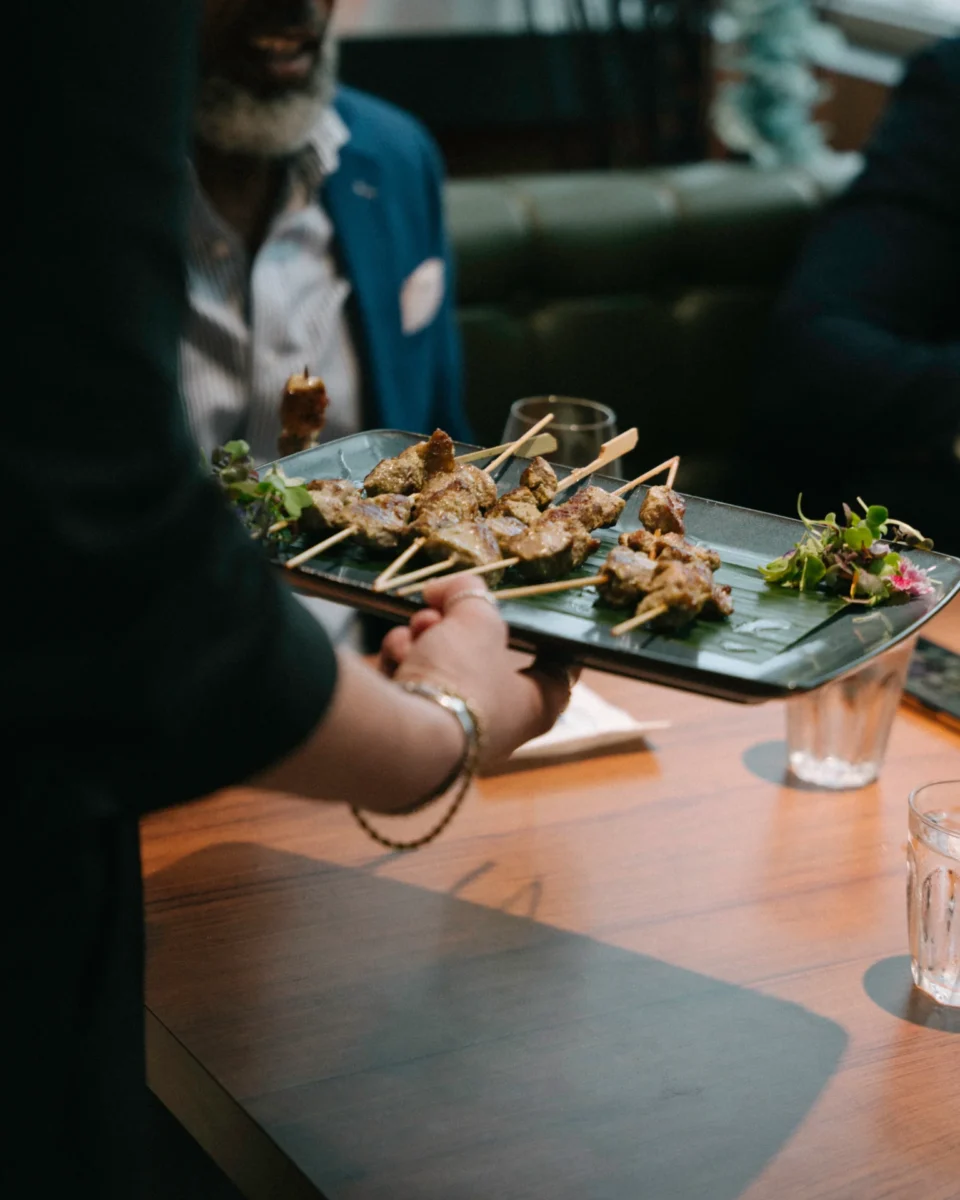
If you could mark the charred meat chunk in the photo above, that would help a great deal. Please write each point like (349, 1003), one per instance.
(303, 409)
(662, 510)
(446, 506)
(402, 475)
(541, 479)
(720, 604)
(628, 576)
(671, 547)
(332, 499)
(478, 482)
(504, 529)
(551, 548)
(439, 457)
(521, 504)
(470, 543)
(593, 507)
(409, 471)
(382, 521)
(683, 589)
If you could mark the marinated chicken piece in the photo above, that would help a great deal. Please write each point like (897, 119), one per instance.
(332, 499)
(684, 588)
(593, 507)
(503, 529)
(551, 548)
(628, 576)
(470, 543)
(541, 479)
(521, 504)
(450, 504)
(671, 547)
(303, 409)
(409, 471)
(382, 521)
(662, 509)
(479, 482)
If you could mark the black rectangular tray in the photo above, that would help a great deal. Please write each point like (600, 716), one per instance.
(778, 642)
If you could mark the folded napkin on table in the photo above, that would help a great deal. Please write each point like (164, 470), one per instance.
(589, 724)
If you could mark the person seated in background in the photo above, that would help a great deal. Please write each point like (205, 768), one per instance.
(860, 384)
(316, 238)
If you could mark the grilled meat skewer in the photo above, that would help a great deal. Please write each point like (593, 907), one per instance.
(663, 510)
(477, 481)
(467, 543)
(303, 410)
(627, 577)
(671, 547)
(541, 480)
(411, 468)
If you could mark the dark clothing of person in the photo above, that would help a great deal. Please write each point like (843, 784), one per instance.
(860, 385)
(149, 654)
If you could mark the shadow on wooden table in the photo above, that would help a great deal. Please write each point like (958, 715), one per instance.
(888, 984)
(395, 1042)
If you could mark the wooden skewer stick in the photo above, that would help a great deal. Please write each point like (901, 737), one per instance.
(313, 551)
(277, 526)
(423, 573)
(671, 464)
(401, 560)
(609, 452)
(512, 449)
(483, 569)
(543, 443)
(635, 622)
(545, 589)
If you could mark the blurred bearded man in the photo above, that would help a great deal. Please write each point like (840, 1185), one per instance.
(316, 237)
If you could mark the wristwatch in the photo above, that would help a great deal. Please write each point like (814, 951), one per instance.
(456, 705)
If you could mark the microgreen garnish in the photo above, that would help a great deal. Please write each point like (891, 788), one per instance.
(853, 556)
(260, 502)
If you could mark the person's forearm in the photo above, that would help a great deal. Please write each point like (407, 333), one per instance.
(377, 747)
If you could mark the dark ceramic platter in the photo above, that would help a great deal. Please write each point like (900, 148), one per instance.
(778, 642)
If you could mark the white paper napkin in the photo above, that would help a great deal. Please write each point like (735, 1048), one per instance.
(589, 724)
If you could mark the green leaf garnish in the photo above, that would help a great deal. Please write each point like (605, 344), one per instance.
(850, 557)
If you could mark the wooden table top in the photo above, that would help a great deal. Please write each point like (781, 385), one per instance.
(663, 974)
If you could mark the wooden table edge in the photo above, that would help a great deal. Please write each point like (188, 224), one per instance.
(217, 1122)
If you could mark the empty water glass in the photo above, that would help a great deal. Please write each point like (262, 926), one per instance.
(933, 890)
(837, 735)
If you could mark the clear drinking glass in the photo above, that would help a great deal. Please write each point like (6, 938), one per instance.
(933, 890)
(580, 427)
(837, 735)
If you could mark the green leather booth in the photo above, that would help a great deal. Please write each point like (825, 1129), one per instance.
(646, 290)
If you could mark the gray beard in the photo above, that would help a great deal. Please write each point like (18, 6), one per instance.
(231, 119)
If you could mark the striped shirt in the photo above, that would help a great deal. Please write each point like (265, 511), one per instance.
(252, 324)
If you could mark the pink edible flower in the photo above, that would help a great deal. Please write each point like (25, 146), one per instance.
(910, 579)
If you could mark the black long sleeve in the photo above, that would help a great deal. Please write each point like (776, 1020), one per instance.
(149, 654)
(860, 385)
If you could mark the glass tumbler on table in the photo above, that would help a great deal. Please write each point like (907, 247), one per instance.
(580, 427)
(837, 735)
(933, 890)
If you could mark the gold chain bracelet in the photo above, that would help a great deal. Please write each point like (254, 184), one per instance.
(462, 774)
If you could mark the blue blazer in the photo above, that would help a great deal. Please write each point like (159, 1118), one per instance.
(386, 204)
